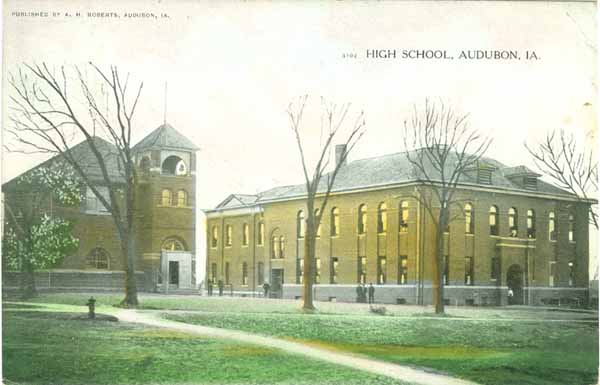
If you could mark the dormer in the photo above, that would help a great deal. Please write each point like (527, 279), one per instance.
(522, 177)
(481, 172)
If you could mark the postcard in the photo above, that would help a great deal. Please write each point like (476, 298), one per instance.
(255, 192)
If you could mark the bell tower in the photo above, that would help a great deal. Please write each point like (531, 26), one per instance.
(166, 210)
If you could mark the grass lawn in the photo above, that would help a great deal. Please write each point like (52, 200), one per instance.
(58, 348)
(487, 351)
(487, 345)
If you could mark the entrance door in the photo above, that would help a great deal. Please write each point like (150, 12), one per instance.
(277, 283)
(174, 273)
(514, 281)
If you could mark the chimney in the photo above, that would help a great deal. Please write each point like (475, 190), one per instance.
(340, 153)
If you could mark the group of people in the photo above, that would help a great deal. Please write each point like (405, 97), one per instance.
(209, 286)
(362, 291)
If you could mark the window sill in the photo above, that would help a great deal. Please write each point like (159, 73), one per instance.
(174, 206)
(469, 235)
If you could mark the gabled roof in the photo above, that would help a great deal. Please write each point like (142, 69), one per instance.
(395, 169)
(83, 155)
(165, 136)
(238, 200)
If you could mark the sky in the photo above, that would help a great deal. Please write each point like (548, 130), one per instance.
(232, 68)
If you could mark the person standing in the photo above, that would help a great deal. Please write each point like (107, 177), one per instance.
(221, 285)
(363, 295)
(359, 293)
(371, 293)
(266, 288)
(209, 284)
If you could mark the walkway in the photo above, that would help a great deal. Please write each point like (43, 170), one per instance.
(402, 373)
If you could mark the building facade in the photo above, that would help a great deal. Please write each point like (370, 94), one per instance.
(164, 223)
(511, 231)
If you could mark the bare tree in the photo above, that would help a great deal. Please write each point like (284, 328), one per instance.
(318, 181)
(570, 165)
(50, 109)
(441, 148)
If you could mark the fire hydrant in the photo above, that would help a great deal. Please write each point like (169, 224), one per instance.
(91, 304)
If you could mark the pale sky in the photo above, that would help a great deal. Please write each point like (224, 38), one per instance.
(233, 67)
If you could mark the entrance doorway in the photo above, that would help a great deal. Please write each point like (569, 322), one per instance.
(174, 273)
(276, 283)
(514, 281)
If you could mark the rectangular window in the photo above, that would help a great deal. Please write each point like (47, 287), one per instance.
(245, 274)
(362, 270)
(213, 272)
(495, 268)
(261, 273)
(214, 239)
(334, 270)
(261, 234)
(446, 267)
(403, 270)
(318, 270)
(226, 273)
(228, 235)
(552, 274)
(571, 228)
(299, 270)
(93, 204)
(571, 274)
(245, 234)
(381, 270)
(469, 271)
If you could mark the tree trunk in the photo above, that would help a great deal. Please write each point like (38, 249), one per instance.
(309, 267)
(28, 289)
(128, 252)
(438, 271)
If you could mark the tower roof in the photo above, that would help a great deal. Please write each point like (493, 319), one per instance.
(165, 136)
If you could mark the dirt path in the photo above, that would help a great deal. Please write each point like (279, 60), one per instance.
(402, 373)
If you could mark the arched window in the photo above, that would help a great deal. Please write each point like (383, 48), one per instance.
(494, 220)
(469, 222)
(571, 228)
(530, 223)
(513, 222)
(362, 219)
(228, 235)
(300, 224)
(245, 234)
(382, 218)
(403, 216)
(166, 196)
(172, 244)
(214, 240)
(317, 211)
(551, 226)
(98, 259)
(274, 247)
(335, 221)
(261, 234)
(181, 198)
(174, 165)
(282, 247)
